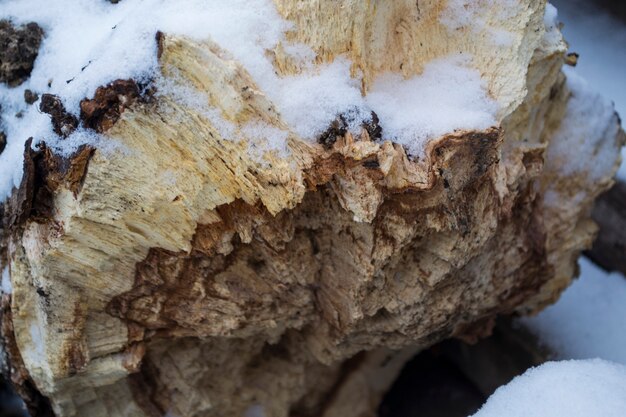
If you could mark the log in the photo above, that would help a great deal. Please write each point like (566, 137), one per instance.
(182, 272)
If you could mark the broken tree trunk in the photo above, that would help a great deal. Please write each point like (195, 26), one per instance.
(185, 273)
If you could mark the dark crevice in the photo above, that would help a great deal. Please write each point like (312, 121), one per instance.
(431, 386)
(453, 378)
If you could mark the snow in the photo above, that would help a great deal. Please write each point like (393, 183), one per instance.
(414, 110)
(447, 96)
(588, 320)
(567, 388)
(550, 21)
(582, 132)
(579, 147)
(311, 102)
(599, 39)
(89, 43)
(550, 16)
(5, 284)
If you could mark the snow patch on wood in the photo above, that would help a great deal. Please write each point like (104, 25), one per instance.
(118, 42)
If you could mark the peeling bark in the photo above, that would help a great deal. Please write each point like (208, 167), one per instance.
(63, 122)
(109, 102)
(19, 47)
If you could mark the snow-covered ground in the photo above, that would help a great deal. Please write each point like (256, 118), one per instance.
(589, 388)
(589, 320)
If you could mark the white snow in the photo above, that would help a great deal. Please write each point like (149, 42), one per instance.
(550, 21)
(309, 103)
(414, 110)
(599, 39)
(89, 43)
(550, 16)
(589, 320)
(5, 284)
(579, 145)
(94, 42)
(447, 96)
(562, 389)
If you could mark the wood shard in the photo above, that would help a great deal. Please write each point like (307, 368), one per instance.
(64, 123)
(108, 103)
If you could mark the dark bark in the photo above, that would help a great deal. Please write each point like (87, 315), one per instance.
(19, 47)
